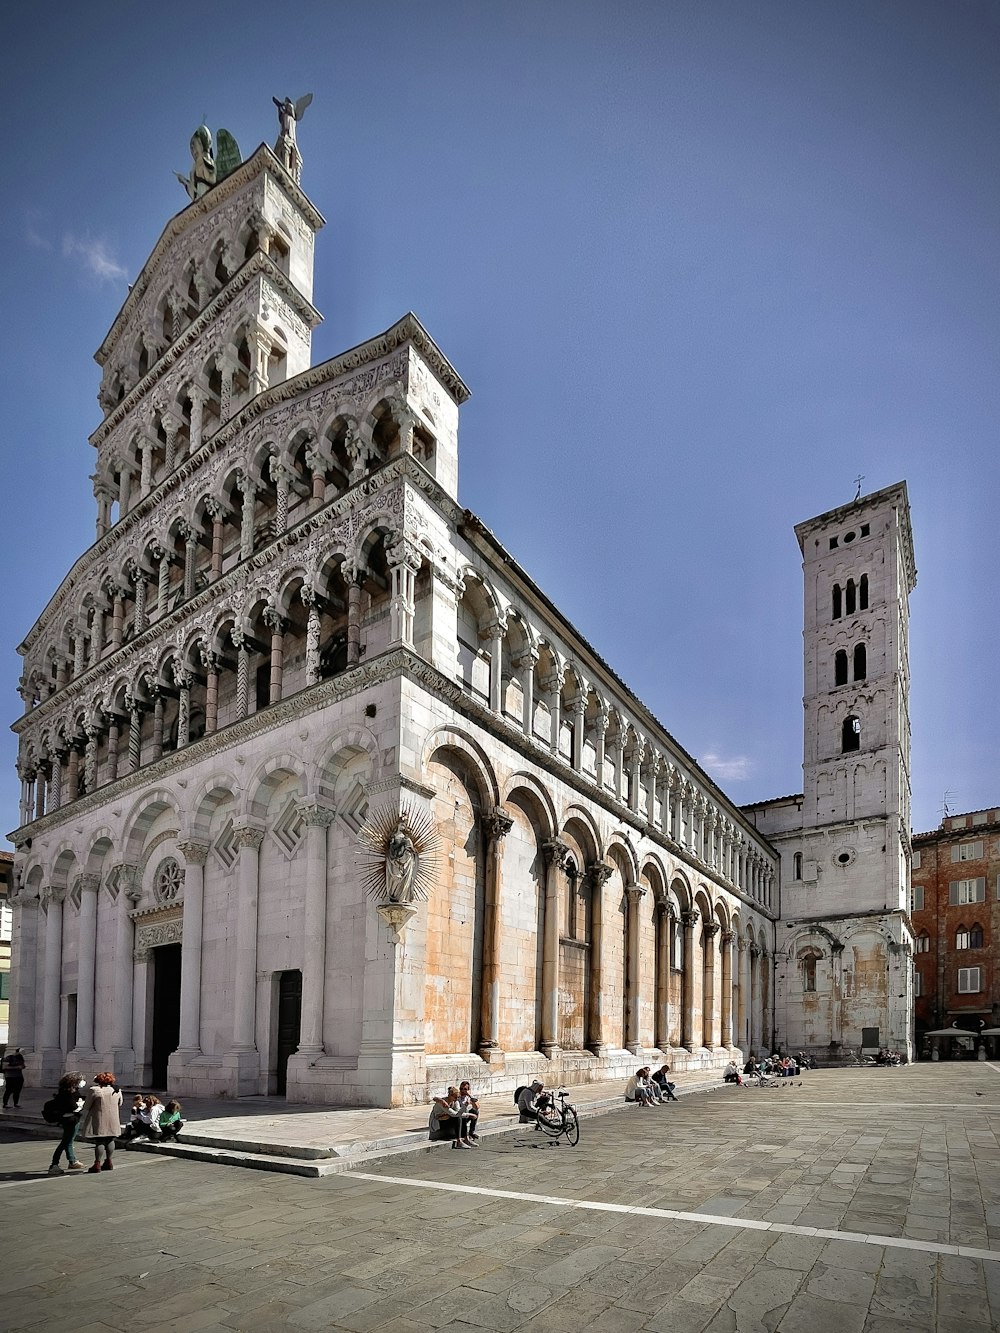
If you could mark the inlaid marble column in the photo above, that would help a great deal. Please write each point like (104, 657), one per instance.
(52, 977)
(634, 894)
(72, 772)
(195, 855)
(316, 463)
(146, 468)
(189, 535)
(726, 1036)
(182, 679)
(227, 365)
(238, 637)
(277, 625)
(354, 576)
(555, 853)
(40, 785)
(709, 932)
(314, 670)
(139, 604)
(496, 825)
(117, 616)
(55, 788)
(170, 428)
(124, 491)
(86, 965)
(282, 478)
(134, 732)
(598, 874)
(249, 837)
(90, 757)
(113, 739)
(666, 922)
(157, 746)
(689, 919)
(210, 661)
(97, 631)
(198, 398)
(216, 511)
(317, 818)
(79, 650)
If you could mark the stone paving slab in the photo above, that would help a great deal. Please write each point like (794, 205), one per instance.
(519, 1234)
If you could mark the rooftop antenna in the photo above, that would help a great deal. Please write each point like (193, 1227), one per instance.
(946, 804)
(859, 479)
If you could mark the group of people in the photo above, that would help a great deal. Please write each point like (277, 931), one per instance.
(772, 1066)
(648, 1089)
(94, 1113)
(455, 1117)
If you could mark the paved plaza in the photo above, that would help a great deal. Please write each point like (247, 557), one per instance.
(864, 1200)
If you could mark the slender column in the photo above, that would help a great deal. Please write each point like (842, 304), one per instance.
(317, 466)
(182, 679)
(97, 632)
(124, 491)
(86, 964)
(494, 631)
(40, 794)
(553, 686)
(689, 920)
(157, 746)
(195, 855)
(73, 773)
(124, 879)
(90, 757)
(117, 617)
(248, 488)
(210, 661)
(599, 873)
(354, 577)
(162, 558)
(710, 931)
(197, 396)
(526, 665)
(600, 732)
(318, 818)
(726, 1036)
(248, 838)
(619, 767)
(139, 608)
(755, 997)
(651, 793)
(276, 624)
(635, 765)
(27, 778)
(260, 350)
(281, 477)
(634, 894)
(579, 709)
(666, 921)
(238, 637)
(134, 733)
(190, 558)
(79, 650)
(555, 859)
(146, 471)
(55, 789)
(113, 735)
(496, 826)
(105, 499)
(214, 508)
(227, 369)
(313, 665)
(742, 1036)
(170, 429)
(52, 980)
(62, 672)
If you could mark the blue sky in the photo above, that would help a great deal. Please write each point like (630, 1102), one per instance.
(700, 263)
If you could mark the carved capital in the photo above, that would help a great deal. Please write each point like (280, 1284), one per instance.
(690, 918)
(497, 824)
(86, 883)
(248, 835)
(314, 813)
(555, 852)
(194, 853)
(50, 895)
(711, 928)
(599, 872)
(274, 620)
(635, 892)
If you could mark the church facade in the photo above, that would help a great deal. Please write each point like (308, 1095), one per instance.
(289, 640)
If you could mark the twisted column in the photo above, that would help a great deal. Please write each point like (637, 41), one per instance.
(183, 681)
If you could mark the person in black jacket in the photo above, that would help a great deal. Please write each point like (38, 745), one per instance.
(69, 1104)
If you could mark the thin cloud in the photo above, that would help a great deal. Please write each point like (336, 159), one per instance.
(95, 257)
(736, 769)
(32, 233)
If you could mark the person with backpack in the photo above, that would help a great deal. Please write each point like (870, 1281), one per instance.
(64, 1110)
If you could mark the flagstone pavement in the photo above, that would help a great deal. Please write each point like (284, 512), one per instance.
(866, 1201)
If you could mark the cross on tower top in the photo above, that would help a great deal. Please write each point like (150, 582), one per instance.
(858, 480)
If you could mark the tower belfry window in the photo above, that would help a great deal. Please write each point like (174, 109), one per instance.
(850, 738)
(837, 611)
(850, 594)
(863, 593)
(860, 661)
(840, 667)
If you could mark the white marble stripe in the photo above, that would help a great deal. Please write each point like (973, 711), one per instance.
(706, 1219)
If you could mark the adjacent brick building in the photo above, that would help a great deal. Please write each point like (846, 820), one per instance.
(955, 903)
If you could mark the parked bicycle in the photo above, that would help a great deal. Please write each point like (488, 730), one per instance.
(559, 1121)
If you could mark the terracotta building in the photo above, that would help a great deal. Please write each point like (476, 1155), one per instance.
(955, 904)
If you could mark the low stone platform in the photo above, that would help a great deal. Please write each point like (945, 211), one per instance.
(269, 1134)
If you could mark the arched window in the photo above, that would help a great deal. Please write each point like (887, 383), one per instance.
(836, 602)
(850, 598)
(863, 593)
(850, 736)
(676, 944)
(840, 667)
(797, 866)
(860, 661)
(976, 937)
(923, 944)
(809, 972)
(962, 938)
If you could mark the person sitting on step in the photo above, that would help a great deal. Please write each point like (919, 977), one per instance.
(662, 1080)
(637, 1089)
(447, 1121)
(170, 1123)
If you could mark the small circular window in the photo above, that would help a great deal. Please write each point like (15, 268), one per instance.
(844, 858)
(849, 536)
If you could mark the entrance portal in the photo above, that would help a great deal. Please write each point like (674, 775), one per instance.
(289, 1018)
(166, 1010)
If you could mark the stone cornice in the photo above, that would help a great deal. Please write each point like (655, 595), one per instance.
(258, 264)
(261, 161)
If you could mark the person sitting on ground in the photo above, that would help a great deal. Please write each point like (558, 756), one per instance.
(171, 1124)
(751, 1066)
(662, 1081)
(530, 1101)
(447, 1120)
(637, 1090)
(134, 1126)
(149, 1116)
(470, 1108)
(655, 1093)
(68, 1105)
(731, 1073)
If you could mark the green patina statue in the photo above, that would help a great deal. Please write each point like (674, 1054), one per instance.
(205, 172)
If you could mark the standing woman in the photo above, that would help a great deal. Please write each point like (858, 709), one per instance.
(101, 1119)
(13, 1072)
(68, 1104)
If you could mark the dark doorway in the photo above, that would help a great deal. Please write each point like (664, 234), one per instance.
(166, 1010)
(289, 1018)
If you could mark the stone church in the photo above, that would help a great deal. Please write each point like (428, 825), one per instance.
(321, 796)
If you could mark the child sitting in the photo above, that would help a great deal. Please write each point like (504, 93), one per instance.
(171, 1124)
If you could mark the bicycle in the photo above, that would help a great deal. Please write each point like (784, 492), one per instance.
(561, 1120)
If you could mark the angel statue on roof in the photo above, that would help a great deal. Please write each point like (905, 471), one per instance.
(207, 166)
(286, 150)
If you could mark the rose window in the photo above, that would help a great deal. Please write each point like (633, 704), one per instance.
(169, 880)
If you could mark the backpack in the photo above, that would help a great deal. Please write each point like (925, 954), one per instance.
(51, 1113)
(518, 1091)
